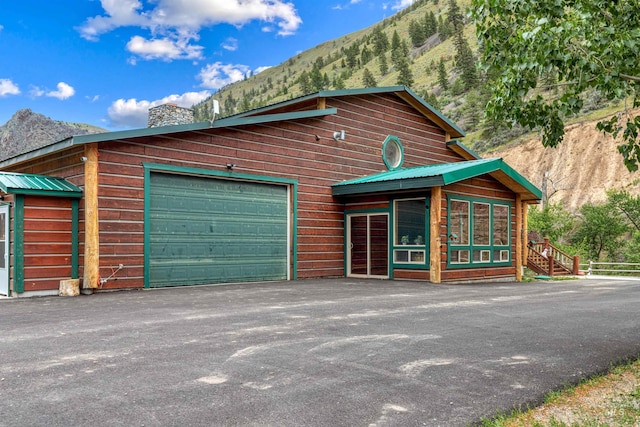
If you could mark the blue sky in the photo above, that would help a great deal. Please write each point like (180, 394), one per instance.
(105, 62)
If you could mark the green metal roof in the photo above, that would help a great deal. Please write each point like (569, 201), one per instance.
(439, 175)
(21, 183)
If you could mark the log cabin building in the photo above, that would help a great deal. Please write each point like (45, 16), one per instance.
(363, 183)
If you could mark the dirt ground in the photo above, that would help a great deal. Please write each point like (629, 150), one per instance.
(610, 400)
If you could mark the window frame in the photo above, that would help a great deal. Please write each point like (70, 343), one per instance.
(472, 254)
(391, 139)
(412, 250)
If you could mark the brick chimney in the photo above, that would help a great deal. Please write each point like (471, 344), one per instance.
(169, 115)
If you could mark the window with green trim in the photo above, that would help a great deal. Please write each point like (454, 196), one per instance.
(479, 232)
(392, 152)
(409, 231)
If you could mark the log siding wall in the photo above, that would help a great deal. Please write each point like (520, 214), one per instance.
(287, 149)
(47, 242)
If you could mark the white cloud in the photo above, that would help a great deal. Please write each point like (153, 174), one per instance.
(401, 4)
(134, 114)
(217, 75)
(1, 27)
(164, 48)
(8, 87)
(64, 91)
(230, 44)
(35, 91)
(174, 24)
(261, 69)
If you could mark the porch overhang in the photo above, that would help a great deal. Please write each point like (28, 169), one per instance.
(39, 185)
(439, 175)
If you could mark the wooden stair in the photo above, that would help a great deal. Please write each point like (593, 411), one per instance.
(544, 258)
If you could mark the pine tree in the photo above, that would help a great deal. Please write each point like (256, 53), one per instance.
(455, 17)
(305, 84)
(366, 55)
(416, 33)
(380, 41)
(465, 61)
(316, 80)
(384, 66)
(405, 77)
(396, 50)
(368, 80)
(443, 79)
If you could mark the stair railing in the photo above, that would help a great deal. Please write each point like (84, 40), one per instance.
(547, 258)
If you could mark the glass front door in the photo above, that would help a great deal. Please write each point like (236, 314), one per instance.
(368, 245)
(4, 250)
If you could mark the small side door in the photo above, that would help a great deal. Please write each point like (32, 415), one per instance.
(4, 250)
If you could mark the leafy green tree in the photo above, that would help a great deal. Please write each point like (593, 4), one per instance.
(585, 43)
(600, 231)
(338, 83)
(628, 205)
(443, 78)
(550, 221)
(368, 80)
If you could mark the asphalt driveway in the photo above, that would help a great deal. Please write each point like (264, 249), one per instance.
(315, 352)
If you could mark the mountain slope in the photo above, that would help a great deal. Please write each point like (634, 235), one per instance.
(27, 131)
(580, 170)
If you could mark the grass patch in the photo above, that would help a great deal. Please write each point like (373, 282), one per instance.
(611, 399)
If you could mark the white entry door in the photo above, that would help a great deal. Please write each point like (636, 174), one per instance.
(4, 250)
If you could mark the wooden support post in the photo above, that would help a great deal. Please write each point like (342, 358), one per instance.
(519, 245)
(576, 265)
(435, 258)
(91, 279)
(525, 233)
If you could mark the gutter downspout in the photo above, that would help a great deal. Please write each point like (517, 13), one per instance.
(91, 278)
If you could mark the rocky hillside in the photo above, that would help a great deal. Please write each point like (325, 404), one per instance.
(580, 170)
(27, 131)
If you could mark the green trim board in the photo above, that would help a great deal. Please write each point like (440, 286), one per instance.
(268, 118)
(438, 175)
(75, 233)
(149, 168)
(463, 150)
(18, 244)
(38, 185)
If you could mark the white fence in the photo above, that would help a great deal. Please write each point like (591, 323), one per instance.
(612, 268)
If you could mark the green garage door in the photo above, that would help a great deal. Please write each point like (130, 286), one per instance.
(207, 230)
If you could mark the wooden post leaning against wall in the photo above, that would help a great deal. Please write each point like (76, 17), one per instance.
(519, 233)
(91, 279)
(435, 258)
